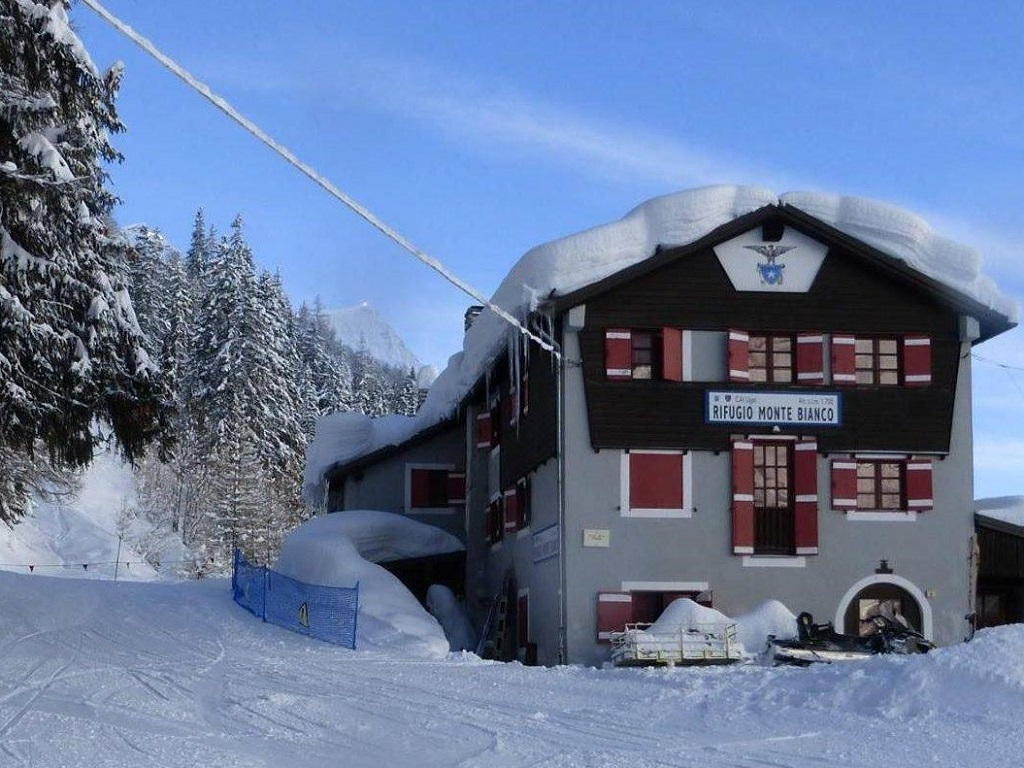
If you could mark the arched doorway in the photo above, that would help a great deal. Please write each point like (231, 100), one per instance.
(885, 593)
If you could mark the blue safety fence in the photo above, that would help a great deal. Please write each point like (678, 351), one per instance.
(326, 613)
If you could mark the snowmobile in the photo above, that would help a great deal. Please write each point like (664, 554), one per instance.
(820, 643)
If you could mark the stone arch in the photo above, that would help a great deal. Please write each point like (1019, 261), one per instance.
(882, 580)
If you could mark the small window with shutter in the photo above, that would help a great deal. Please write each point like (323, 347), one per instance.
(883, 484)
(655, 484)
(433, 488)
(645, 354)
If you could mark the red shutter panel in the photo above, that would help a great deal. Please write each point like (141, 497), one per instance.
(844, 484)
(614, 612)
(456, 488)
(483, 430)
(810, 358)
(844, 359)
(419, 481)
(739, 356)
(496, 424)
(742, 498)
(618, 353)
(655, 480)
(524, 397)
(523, 502)
(919, 485)
(672, 354)
(805, 476)
(917, 361)
(511, 511)
(488, 524)
(523, 620)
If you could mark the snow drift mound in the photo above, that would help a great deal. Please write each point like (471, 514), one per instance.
(445, 607)
(322, 551)
(769, 618)
(684, 613)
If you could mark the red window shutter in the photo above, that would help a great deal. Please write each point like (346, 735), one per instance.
(496, 424)
(511, 511)
(919, 485)
(739, 356)
(419, 480)
(488, 524)
(614, 612)
(523, 502)
(618, 353)
(805, 482)
(483, 430)
(655, 480)
(742, 498)
(672, 354)
(810, 358)
(524, 397)
(844, 359)
(844, 484)
(456, 488)
(917, 361)
(523, 620)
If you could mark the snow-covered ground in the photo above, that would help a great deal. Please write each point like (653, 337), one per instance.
(154, 674)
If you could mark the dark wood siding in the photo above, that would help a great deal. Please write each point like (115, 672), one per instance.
(529, 444)
(1001, 554)
(693, 292)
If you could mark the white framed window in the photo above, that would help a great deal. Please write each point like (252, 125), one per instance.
(433, 489)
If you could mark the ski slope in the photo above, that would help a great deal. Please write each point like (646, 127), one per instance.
(97, 673)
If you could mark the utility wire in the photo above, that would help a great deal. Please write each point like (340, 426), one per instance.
(312, 174)
(1004, 366)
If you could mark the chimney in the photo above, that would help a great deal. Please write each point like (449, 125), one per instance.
(471, 314)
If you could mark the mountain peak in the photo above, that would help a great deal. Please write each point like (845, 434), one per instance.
(363, 325)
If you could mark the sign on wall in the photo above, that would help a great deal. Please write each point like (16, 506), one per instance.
(545, 543)
(787, 266)
(782, 408)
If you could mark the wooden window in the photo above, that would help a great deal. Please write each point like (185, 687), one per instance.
(877, 360)
(511, 511)
(742, 497)
(881, 485)
(644, 354)
(771, 359)
(428, 488)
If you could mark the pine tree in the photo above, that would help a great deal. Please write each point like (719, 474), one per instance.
(71, 350)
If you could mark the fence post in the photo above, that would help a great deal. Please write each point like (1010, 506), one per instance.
(266, 589)
(355, 619)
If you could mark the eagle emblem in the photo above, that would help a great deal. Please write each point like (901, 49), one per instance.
(770, 272)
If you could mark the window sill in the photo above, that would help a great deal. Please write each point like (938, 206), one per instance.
(654, 513)
(895, 516)
(774, 561)
(433, 511)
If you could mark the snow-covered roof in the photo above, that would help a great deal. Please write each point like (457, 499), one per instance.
(1005, 509)
(574, 262)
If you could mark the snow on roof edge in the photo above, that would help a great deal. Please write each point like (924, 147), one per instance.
(1006, 509)
(575, 261)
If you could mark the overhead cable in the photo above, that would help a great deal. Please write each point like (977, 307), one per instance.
(359, 209)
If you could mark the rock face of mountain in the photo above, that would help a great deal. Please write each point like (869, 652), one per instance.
(363, 326)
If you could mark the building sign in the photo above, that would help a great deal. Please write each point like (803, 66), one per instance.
(597, 537)
(820, 409)
(787, 266)
(545, 543)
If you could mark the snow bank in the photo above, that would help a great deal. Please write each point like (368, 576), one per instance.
(321, 551)
(381, 537)
(1008, 509)
(769, 618)
(684, 613)
(451, 614)
(565, 265)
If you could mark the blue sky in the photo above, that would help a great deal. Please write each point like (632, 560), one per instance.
(482, 129)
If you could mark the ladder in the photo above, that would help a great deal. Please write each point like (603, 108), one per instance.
(492, 637)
